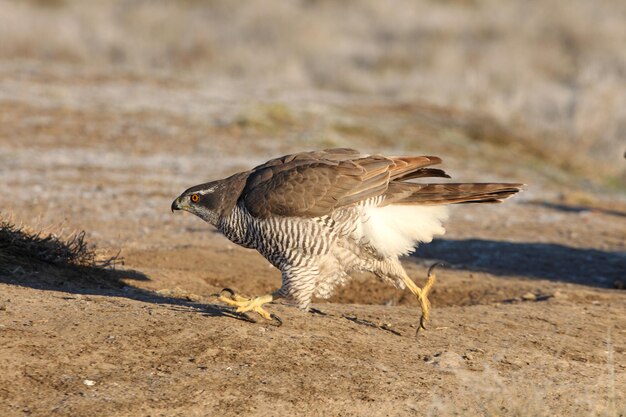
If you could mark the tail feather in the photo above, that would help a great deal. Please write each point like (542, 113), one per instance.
(459, 193)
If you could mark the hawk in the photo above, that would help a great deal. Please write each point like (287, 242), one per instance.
(318, 216)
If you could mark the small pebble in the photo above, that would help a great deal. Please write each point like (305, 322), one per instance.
(529, 296)
(89, 382)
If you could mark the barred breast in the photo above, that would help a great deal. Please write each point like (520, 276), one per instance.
(315, 254)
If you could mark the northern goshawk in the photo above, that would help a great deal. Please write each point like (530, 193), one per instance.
(317, 216)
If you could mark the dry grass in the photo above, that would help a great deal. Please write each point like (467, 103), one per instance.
(22, 249)
(556, 69)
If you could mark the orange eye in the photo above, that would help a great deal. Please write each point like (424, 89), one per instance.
(195, 198)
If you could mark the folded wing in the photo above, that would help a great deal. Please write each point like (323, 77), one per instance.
(313, 184)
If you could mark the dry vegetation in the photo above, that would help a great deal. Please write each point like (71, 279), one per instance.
(42, 259)
(553, 68)
(22, 248)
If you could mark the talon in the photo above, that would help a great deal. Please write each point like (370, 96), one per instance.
(221, 293)
(228, 290)
(316, 311)
(277, 319)
(422, 294)
(432, 268)
(244, 304)
(421, 326)
(233, 296)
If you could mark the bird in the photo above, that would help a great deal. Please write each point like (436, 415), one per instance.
(320, 215)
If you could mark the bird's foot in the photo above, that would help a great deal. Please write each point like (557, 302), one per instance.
(245, 304)
(422, 295)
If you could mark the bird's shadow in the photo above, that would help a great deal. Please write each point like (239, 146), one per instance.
(576, 208)
(111, 283)
(536, 260)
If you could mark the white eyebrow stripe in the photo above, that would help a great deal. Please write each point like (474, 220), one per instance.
(207, 191)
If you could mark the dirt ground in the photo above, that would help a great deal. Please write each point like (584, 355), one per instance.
(527, 320)
(529, 309)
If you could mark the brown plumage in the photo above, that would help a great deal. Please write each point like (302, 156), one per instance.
(317, 216)
(312, 184)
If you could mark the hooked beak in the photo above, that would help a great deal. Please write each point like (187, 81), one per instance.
(176, 205)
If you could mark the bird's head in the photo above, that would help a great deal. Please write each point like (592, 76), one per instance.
(205, 201)
(212, 200)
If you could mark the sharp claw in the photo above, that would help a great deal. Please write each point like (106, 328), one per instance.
(421, 326)
(433, 266)
(227, 290)
(277, 319)
(316, 311)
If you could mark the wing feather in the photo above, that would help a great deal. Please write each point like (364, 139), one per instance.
(313, 184)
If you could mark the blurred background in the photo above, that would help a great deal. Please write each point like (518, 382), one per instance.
(167, 94)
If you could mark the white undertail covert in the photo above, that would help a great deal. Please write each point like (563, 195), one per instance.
(395, 230)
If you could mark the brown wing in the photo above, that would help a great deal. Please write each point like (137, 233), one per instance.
(334, 154)
(312, 184)
(313, 188)
(411, 167)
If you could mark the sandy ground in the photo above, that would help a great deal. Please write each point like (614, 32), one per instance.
(527, 319)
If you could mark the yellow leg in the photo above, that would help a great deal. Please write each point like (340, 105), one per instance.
(245, 304)
(422, 294)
